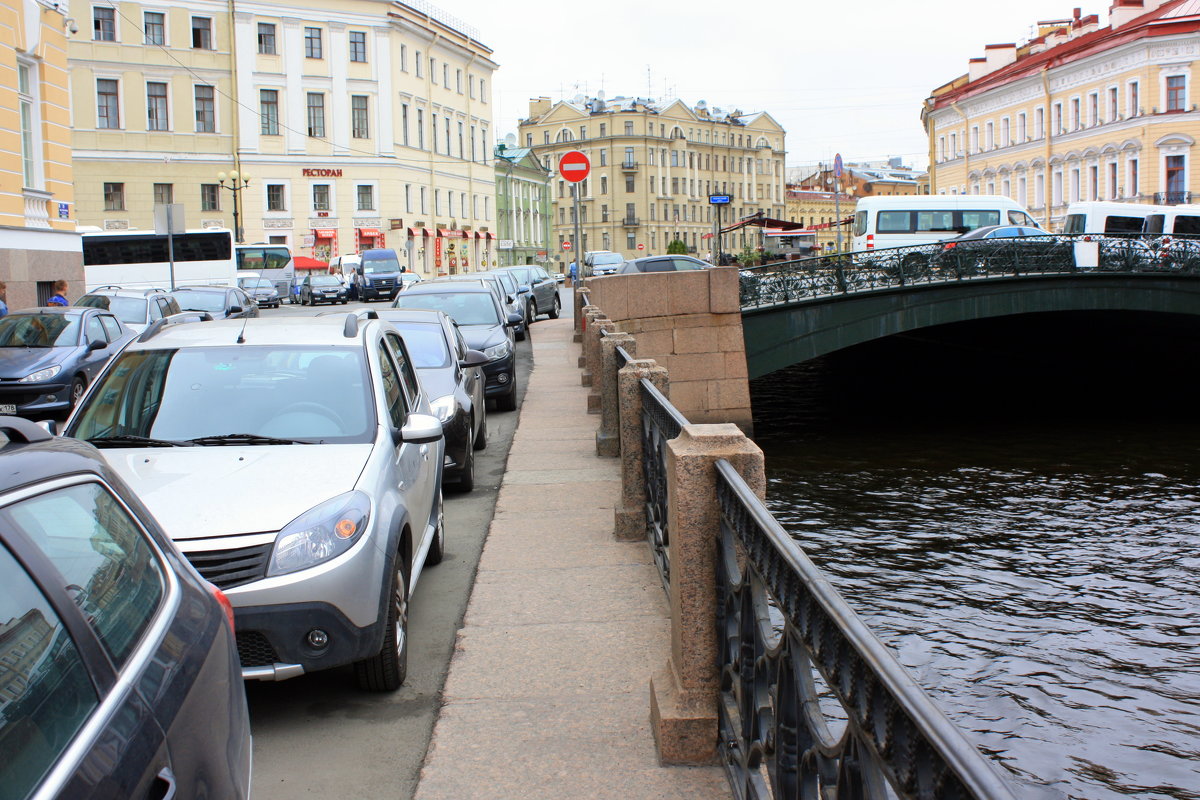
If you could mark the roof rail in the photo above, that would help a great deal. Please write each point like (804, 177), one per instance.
(174, 319)
(24, 430)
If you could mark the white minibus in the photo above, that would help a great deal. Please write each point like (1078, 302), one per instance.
(1181, 220)
(928, 218)
(1113, 219)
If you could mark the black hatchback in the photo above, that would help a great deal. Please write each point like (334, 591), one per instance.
(119, 676)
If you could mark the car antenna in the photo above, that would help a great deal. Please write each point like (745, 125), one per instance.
(242, 333)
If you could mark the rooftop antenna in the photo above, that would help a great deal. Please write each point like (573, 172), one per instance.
(241, 339)
(649, 84)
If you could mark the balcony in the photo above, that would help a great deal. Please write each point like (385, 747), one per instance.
(629, 166)
(1172, 198)
(631, 222)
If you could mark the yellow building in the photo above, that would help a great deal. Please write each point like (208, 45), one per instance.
(653, 167)
(1081, 112)
(357, 124)
(38, 243)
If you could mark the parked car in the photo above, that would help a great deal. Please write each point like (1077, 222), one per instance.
(120, 674)
(48, 356)
(601, 262)
(407, 279)
(322, 289)
(222, 302)
(662, 264)
(996, 247)
(508, 300)
(484, 324)
(538, 291)
(376, 276)
(136, 308)
(243, 413)
(451, 374)
(261, 291)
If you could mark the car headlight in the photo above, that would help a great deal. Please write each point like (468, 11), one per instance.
(497, 352)
(444, 408)
(42, 375)
(321, 533)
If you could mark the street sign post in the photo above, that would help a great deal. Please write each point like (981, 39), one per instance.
(718, 200)
(837, 197)
(574, 167)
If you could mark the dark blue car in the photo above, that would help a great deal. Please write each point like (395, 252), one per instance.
(119, 675)
(48, 356)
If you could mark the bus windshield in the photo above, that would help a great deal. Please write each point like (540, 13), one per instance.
(260, 257)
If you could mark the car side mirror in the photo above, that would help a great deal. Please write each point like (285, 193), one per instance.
(50, 426)
(514, 320)
(421, 429)
(508, 298)
(234, 310)
(96, 344)
(473, 358)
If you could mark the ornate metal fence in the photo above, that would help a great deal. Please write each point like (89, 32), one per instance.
(870, 270)
(661, 422)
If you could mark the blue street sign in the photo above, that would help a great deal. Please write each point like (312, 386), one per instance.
(837, 165)
(719, 199)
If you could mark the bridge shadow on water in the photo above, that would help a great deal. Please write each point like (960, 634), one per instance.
(1013, 506)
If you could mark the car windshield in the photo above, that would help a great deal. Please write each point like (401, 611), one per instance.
(39, 330)
(324, 280)
(382, 263)
(608, 258)
(201, 301)
(465, 308)
(303, 393)
(128, 309)
(426, 344)
(255, 283)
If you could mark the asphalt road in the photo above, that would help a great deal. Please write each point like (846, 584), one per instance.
(319, 736)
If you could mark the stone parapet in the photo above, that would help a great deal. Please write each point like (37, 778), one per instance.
(630, 515)
(608, 442)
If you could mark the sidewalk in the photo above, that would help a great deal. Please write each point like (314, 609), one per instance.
(548, 691)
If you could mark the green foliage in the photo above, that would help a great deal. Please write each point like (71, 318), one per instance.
(676, 248)
(747, 258)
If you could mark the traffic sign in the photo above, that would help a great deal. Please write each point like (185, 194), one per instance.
(641, 246)
(574, 166)
(719, 199)
(566, 245)
(837, 165)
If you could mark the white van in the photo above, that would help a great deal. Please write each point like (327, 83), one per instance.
(928, 218)
(1114, 219)
(1181, 220)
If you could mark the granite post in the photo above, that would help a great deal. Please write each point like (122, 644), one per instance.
(608, 441)
(629, 523)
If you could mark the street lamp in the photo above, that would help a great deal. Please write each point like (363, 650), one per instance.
(237, 182)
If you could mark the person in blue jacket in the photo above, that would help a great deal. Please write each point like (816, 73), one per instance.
(60, 294)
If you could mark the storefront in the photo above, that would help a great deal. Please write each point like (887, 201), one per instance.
(325, 245)
(485, 244)
(415, 246)
(452, 254)
(368, 239)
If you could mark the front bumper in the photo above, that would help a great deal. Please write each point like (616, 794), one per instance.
(273, 642)
(500, 376)
(34, 398)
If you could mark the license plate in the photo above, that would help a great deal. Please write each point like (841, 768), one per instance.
(8, 408)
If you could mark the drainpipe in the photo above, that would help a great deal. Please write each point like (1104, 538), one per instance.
(1047, 120)
(237, 101)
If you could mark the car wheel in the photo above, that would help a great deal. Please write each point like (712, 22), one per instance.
(77, 387)
(303, 302)
(466, 475)
(437, 548)
(344, 301)
(530, 314)
(556, 309)
(480, 442)
(508, 402)
(386, 671)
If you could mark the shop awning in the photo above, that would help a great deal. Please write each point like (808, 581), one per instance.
(304, 262)
(761, 221)
(325, 233)
(418, 232)
(370, 232)
(487, 235)
(451, 234)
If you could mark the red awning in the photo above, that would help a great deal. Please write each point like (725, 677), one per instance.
(325, 233)
(304, 262)
(451, 234)
(707, 236)
(485, 235)
(370, 232)
(418, 232)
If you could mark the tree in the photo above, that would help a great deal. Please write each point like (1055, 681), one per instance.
(676, 248)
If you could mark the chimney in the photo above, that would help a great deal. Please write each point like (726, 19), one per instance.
(999, 55)
(976, 68)
(538, 106)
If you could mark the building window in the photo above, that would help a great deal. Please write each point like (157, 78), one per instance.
(991, 139)
(417, 62)
(104, 24)
(156, 107)
(359, 124)
(1022, 134)
(1005, 134)
(164, 193)
(1076, 121)
(604, 158)
(1176, 93)
(483, 99)
(404, 123)
(1094, 108)
(433, 80)
(1057, 121)
(210, 197)
(114, 197)
(629, 183)
(1135, 100)
(420, 129)
(1112, 104)
(312, 43)
(206, 113)
(320, 197)
(358, 46)
(316, 115)
(202, 38)
(603, 185)
(268, 111)
(29, 118)
(266, 39)
(1134, 187)
(629, 129)
(1039, 122)
(1094, 183)
(1176, 186)
(631, 240)
(458, 81)
(366, 197)
(275, 197)
(107, 108)
(1112, 180)
(154, 26)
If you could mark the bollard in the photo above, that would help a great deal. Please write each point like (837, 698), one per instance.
(608, 441)
(598, 328)
(589, 313)
(684, 694)
(629, 523)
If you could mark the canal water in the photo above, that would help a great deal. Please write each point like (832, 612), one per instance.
(1014, 508)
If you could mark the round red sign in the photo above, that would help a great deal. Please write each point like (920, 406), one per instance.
(641, 246)
(566, 245)
(574, 166)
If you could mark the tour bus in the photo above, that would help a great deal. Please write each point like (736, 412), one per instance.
(1113, 219)
(928, 218)
(140, 259)
(270, 261)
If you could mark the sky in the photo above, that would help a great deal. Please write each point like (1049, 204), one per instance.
(843, 77)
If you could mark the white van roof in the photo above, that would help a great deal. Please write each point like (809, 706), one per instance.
(1108, 208)
(942, 200)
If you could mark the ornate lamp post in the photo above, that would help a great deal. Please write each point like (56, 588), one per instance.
(237, 182)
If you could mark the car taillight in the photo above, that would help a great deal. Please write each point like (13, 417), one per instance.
(225, 604)
(870, 241)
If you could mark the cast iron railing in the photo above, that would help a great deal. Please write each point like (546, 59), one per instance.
(869, 270)
(661, 422)
(812, 704)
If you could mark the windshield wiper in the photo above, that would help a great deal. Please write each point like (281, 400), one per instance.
(130, 440)
(243, 438)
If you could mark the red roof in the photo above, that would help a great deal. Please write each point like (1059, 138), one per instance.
(1172, 17)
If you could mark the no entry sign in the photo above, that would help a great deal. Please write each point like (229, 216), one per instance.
(566, 245)
(574, 166)
(641, 246)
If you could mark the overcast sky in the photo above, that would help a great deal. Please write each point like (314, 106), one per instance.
(844, 76)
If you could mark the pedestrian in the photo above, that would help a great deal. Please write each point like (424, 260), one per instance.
(60, 294)
(3, 298)
(574, 273)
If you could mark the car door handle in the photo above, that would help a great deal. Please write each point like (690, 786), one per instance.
(163, 787)
(424, 451)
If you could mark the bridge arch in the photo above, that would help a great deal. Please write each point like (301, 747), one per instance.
(779, 337)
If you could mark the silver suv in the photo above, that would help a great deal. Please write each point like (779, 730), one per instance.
(137, 308)
(296, 464)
